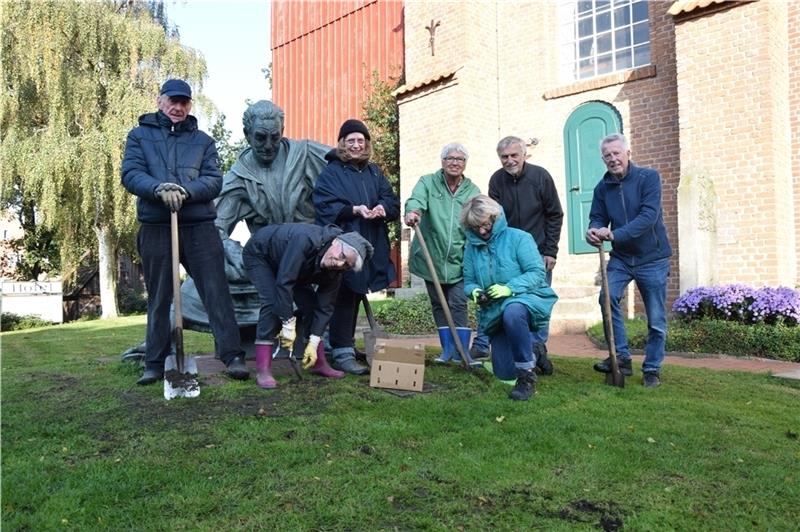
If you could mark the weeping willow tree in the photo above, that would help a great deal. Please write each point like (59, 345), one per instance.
(76, 76)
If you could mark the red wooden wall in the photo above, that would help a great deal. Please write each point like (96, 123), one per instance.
(323, 56)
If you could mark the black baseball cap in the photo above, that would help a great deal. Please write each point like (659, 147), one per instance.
(176, 87)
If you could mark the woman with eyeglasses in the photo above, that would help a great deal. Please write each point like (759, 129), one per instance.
(503, 269)
(353, 193)
(435, 204)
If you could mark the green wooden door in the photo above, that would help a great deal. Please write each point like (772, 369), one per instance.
(585, 128)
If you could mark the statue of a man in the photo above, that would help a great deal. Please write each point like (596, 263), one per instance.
(270, 183)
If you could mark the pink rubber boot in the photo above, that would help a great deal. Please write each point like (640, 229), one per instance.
(264, 366)
(322, 367)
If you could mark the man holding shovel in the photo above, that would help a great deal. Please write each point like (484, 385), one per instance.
(435, 204)
(284, 262)
(626, 210)
(172, 166)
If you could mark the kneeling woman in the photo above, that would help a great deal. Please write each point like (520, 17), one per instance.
(503, 263)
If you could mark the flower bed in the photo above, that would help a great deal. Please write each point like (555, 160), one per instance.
(741, 304)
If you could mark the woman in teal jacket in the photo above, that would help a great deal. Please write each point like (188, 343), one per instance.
(435, 204)
(502, 264)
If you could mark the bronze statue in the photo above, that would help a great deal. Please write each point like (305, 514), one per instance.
(270, 183)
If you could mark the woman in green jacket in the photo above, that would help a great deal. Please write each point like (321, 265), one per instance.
(435, 204)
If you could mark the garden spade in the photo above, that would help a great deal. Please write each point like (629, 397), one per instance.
(180, 373)
(615, 378)
(375, 331)
(466, 360)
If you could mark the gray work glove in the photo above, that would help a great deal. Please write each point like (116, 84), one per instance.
(172, 195)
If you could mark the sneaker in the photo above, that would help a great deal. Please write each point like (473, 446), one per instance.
(624, 366)
(543, 364)
(525, 385)
(350, 365)
(476, 353)
(237, 369)
(651, 380)
(150, 376)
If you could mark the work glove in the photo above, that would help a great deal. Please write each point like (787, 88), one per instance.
(287, 335)
(310, 354)
(172, 195)
(496, 291)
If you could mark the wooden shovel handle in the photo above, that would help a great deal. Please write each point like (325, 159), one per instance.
(607, 320)
(176, 290)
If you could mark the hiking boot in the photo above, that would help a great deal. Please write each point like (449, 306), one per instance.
(350, 365)
(360, 355)
(237, 369)
(525, 385)
(624, 366)
(150, 376)
(651, 380)
(476, 353)
(543, 364)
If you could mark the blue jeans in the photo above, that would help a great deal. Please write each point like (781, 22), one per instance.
(540, 336)
(202, 255)
(511, 345)
(481, 341)
(651, 280)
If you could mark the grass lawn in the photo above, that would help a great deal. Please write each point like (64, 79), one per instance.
(84, 448)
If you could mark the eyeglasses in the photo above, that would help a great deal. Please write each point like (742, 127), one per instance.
(460, 160)
(353, 142)
(487, 226)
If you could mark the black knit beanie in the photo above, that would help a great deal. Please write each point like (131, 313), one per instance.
(353, 126)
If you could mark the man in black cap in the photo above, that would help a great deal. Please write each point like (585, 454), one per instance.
(174, 167)
(284, 261)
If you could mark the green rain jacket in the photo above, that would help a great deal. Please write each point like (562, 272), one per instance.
(439, 211)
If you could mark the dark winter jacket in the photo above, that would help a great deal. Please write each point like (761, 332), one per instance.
(339, 187)
(531, 203)
(631, 207)
(294, 252)
(158, 151)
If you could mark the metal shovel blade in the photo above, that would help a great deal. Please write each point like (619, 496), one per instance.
(615, 379)
(180, 383)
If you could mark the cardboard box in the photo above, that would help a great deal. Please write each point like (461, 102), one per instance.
(398, 368)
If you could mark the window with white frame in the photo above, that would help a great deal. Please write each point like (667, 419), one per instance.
(602, 36)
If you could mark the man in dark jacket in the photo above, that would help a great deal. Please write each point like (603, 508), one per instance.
(172, 166)
(530, 201)
(283, 261)
(626, 210)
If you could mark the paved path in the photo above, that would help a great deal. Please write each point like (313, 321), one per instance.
(572, 345)
(579, 345)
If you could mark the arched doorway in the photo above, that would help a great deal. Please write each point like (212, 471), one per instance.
(585, 128)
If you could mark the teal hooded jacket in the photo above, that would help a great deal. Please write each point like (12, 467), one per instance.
(509, 257)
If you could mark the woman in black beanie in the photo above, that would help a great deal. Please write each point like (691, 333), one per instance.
(353, 193)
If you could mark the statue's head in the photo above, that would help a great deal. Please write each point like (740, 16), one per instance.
(263, 129)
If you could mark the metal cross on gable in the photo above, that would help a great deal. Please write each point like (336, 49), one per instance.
(432, 30)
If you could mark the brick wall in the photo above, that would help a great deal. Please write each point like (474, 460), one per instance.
(734, 119)
(794, 116)
(734, 103)
(509, 85)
